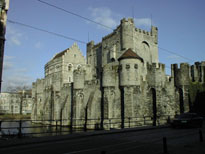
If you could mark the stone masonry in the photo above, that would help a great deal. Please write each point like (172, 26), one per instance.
(119, 84)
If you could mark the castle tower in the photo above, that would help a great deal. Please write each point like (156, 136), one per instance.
(127, 30)
(154, 33)
(130, 65)
(198, 72)
(89, 54)
(129, 74)
(181, 80)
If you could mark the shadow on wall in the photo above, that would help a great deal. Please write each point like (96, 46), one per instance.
(197, 97)
(199, 104)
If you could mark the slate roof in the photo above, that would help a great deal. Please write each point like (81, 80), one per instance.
(130, 54)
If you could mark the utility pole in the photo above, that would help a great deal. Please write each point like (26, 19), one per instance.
(4, 6)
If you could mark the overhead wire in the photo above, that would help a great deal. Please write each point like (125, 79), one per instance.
(52, 33)
(90, 20)
(46, 31)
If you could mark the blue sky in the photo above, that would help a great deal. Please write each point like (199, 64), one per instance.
(180, 24)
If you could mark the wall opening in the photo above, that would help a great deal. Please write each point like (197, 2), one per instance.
(154, 106)
(122, 107)
(112, 59)
(181, 100)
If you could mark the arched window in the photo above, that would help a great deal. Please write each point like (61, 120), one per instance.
(145, 44)
(70, 66)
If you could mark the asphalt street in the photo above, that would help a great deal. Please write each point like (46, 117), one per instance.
(140, 142)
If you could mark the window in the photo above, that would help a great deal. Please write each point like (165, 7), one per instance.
(127, 66)
(69, 67)
(136, 66)
(69, 79)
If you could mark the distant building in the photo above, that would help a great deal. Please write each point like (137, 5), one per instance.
(4, 6)
(16, 103)
(121, 83)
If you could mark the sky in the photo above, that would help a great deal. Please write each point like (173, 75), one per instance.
(180, 31)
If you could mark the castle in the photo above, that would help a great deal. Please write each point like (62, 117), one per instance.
(121, 79)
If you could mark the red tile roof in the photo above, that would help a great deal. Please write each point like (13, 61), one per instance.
(130, 54)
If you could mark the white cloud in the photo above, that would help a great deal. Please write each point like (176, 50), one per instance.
(143, 22)
(111, 19)
(104, 16)
(14, 37)
(38, 45)
(15, 40)
(16, 80)
(7, 66)
(14, 77)
(7, 63)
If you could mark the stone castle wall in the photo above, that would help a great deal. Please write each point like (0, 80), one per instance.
(121, 84)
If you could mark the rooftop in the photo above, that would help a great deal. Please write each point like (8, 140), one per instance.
(130, 54)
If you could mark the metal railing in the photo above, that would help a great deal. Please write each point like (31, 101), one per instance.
(20, 128)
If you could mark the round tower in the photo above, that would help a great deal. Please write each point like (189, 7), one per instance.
(130, 64)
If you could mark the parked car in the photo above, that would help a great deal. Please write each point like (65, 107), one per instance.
(187, 120)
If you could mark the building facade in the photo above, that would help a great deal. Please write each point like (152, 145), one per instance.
(16, 103)
(120, 81)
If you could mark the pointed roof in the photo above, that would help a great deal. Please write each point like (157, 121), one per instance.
(60, 54)
(130, 54)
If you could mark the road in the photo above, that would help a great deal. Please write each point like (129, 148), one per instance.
(140, 142)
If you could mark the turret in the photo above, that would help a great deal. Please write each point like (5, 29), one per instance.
(198, 72)
(130, 64)
(90, 46)
(181, 75)
(154, 33)
(127, 33)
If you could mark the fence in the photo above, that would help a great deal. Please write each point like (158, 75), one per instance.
(22, 128)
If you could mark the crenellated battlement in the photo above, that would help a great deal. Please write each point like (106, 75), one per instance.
(156, 66)
(128, 20)
(181, 74)
(198, 72)
(122, 78)
(143, 31)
